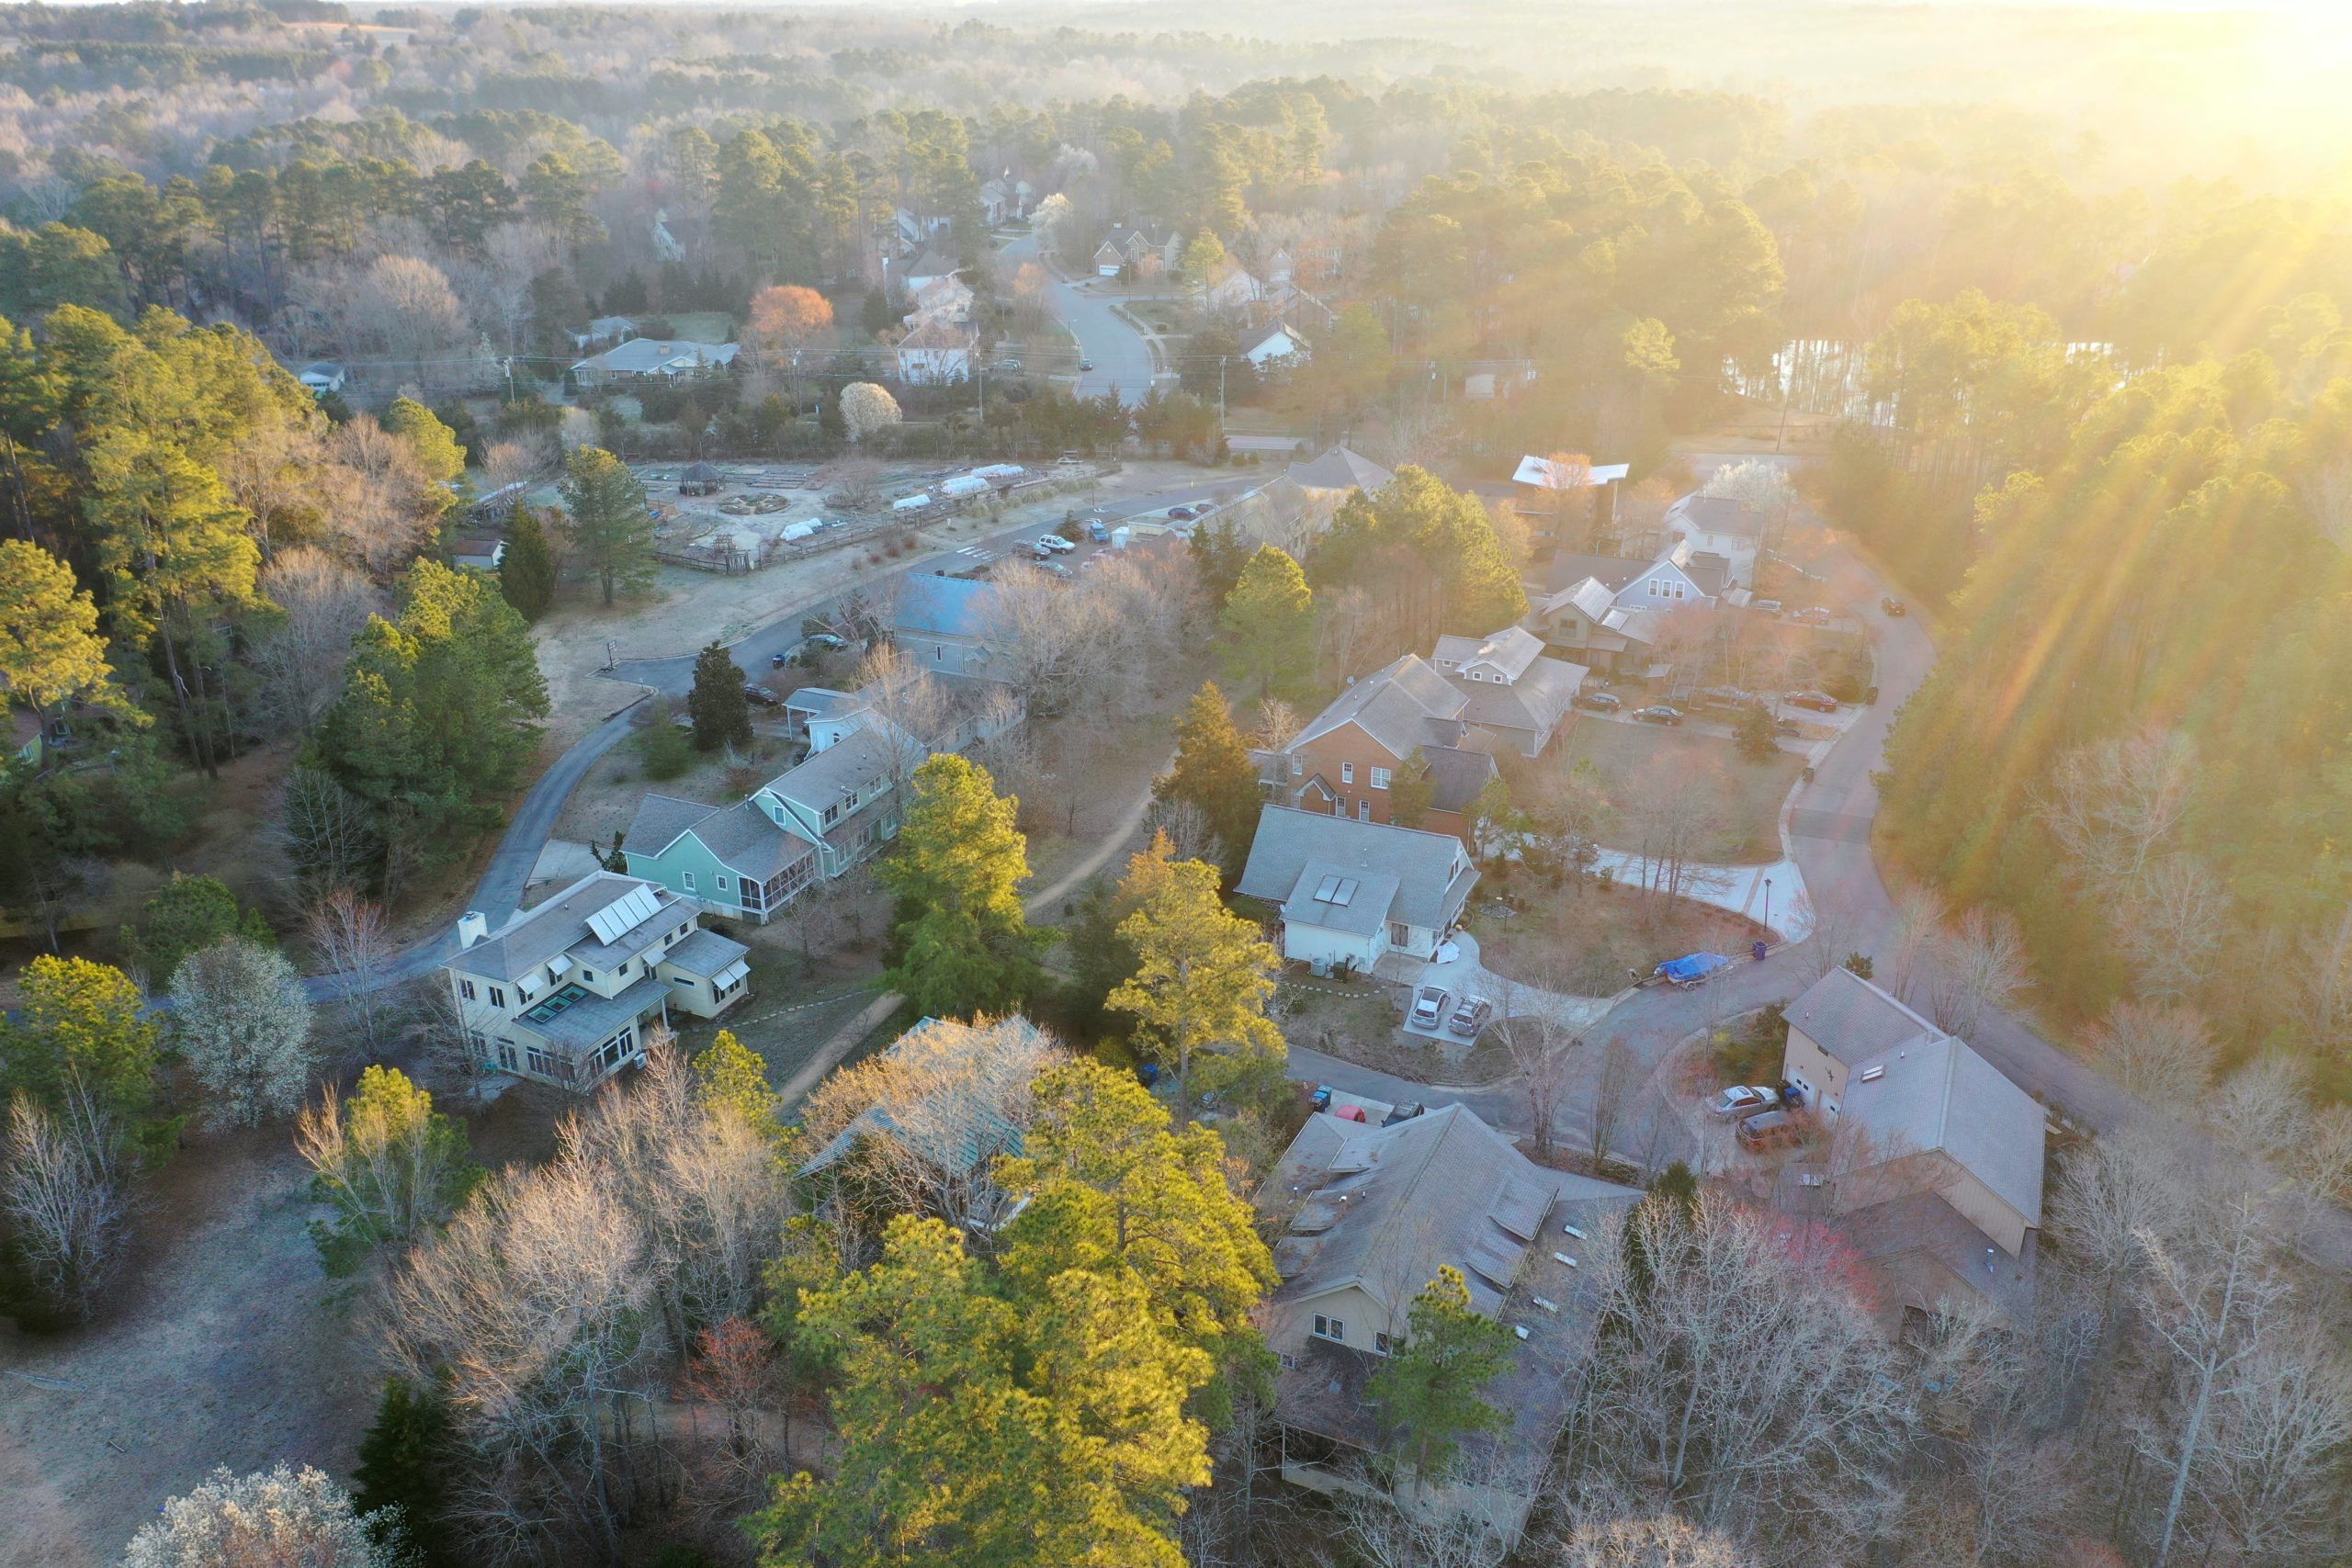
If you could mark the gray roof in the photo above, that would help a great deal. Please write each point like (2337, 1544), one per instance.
(642, 355)
(1721, 514)
(844, 769)
(704, 952)
(741, 837)
(1393, 706)
(960, 1125)
(1357, 902)
(1710, 571)
(1432, 871)
(1534, 703)
(1852, 1020)
(1572, 566)
(1512, 649)
(941, 606)
(593, 1019)
(1456, 776)
(533, 936)
(1340, 469)
(931, 263)
(659, 819)
(1939, 1094)
(818, 701)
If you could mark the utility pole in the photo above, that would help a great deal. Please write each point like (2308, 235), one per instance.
(1220, 390)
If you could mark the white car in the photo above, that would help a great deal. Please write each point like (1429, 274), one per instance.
(1054, 542)
(1738, 1103)
(1428, 1006)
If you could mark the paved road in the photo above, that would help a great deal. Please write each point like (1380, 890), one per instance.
(1120, 357)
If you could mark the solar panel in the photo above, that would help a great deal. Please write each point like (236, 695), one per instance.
(624, 914)
(1337, 891)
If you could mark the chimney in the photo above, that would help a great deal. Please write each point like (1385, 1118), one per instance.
(473, 926)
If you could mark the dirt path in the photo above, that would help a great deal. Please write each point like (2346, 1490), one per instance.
(1120, 831)
(229, 1346)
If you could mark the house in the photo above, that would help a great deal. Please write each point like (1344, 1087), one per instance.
(950, 1089)
(567, 991)
(1563, 501)
(843, 800)
(1516, 693)
(323, 377)
(1352, 891)
(938, 353)
(1281, 266)
(1229, 289)
(1006, 198)
(1610, 610)
(604, 329)
(27, 736)
(943, 624)
(478, 552)
(942, 299)
(1109, 259)
(915, 230)
(1339, 473)
(933, 267)
(1344, 761)
(1280, 347)
(1368, 1216)
(641, 357)
(731, 860)
(1722, 527)
(1935, 1155)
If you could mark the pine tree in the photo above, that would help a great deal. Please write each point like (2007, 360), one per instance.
(1203, 975)
(84, 1028)
(1754, 734)
(404, 1463)
(1269, 623)
(184, 914)
(1214, 772)
(721, 713)
(962, 943)
(526, 576)
(1429, 1391)
(611, 526)
(730, 1073)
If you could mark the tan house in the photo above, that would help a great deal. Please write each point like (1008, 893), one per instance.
(1935, 1156)
(1368, 1215)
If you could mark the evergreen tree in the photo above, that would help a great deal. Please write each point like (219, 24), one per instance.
(183, 915)
(1409, 792)
(527, 576)
(1755, 735)
(435, 445)
(1218, 552)
(439, 711)
(1269, 623)
(1429, 1391)
(1214, 772)
(611, 526)
(404, 1460)
(50, 648)
(1095, 959)
(82, 1028)
(962, 943)
(721, 713)
(730, 1073)
(1202, 973)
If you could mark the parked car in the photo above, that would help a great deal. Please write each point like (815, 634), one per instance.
(1787, 726)
(1428, 1006)
(1040, 549)
(1820, 702)
(762, 696)
(1724, 697)
(1811, 615)
(1181, 514)
(1006, 364)
(1893, 607)
(1766, 606)
(826, 641)
(1096, 531)
(1085, 365)
(1056, 568)
(1772, 1128)
(1056, 542)
(1658, 713)
(1069, 460)
(1598, 702)
(1743, 1100)
(1470, 1017)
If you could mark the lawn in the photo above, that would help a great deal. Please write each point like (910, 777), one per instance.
(1577, 938)
(1634, 758)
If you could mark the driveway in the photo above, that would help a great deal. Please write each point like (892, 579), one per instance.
(1120, 357)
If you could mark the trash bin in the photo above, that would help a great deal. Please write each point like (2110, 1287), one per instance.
(1757, 947)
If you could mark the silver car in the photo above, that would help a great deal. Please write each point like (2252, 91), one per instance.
(1428, 1006)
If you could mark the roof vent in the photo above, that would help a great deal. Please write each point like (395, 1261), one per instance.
(1573, 1231)
(1872, 1075)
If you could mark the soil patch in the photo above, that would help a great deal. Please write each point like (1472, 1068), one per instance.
(1577, 938)
(1634, 759)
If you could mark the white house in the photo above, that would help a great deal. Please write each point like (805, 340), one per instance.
(323, 376)
(567, 992)
(1719, 525)
(925, 270)
(601, 331)
(645, 356)
(1230, 289)
(1278, 347)
(938, 352)
(1352, 891)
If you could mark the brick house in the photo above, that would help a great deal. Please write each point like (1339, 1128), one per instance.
(1346, 760)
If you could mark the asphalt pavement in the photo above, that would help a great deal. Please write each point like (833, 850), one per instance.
(1120, 357)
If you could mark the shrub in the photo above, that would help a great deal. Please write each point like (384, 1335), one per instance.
(666, 749)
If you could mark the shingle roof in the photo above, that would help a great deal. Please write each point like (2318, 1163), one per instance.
(1852, 1020)
(533, 936)
(1511, 649)
(1535, 701)
(1432, 869)
(838, 771)
(1939, 1094)
(941, 606)
(1392, 704)
(1340, 469)
(1456, 776)
(931, 263)
(704, 952)
(1572, 566)
(644, 354)
(1721, 514)
(747, 842)
(941, 332)
(659, 819)
(1340, 898)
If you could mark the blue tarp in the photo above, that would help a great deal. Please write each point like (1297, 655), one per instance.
(1697, 966)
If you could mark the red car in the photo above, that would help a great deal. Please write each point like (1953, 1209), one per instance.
(1820, 702)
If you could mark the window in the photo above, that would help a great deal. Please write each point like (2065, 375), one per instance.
(497, 997)
(722, 882)
(1380, 777)
(1399, 934)
(1386, 1345)
(622, 970)
(1297, 765)
(587, 974)
(506, 1055)
(1330, 1328)
(466, 990)
(690, 880)
(1289, 1361)
(1347, 773)
(830, 813)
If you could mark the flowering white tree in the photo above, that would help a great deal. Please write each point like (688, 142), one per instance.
(298, 1518)
(241, 1019)
(867, 408)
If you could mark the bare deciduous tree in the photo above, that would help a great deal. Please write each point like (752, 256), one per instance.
(325, 603)
(1615, 1072)
(61, 1184)
(1188, 829)
(1651, 1540)
(2322, 1000)
(1979, 968)
(2163, 1056)
(1918, 925)
(2112, 805)
(352, 939)
(327, 834)
(2169, 924)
